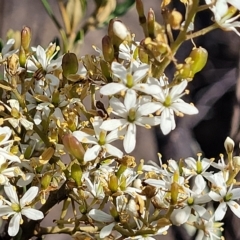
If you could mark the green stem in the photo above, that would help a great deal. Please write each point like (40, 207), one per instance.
(177, 43)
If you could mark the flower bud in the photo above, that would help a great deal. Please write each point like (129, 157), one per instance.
(46, 155)
(199, 58)
(22, 57)
(25, 39)
(107, 48)
(73, 146)
(175, 19)
(140, 11)
(229, 145)
(151, 24)
(106, 70)
(76, 174)
(69, 64)
(179, 217)
(118, 32)
(236, 161)
(113, 183)
(55, 97)
(122, 168)
(46, 180)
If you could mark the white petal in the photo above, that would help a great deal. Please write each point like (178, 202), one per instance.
(92, 153)
(155, 183)
(214, 196)
(8, 46)
(234, 207)
(176, 90)
(112, 88)
(29, 196)
(14, 224)
(112, 136)
(6, 210)
(33, 214)
(148, 108)
(235, 193)
(11, 193)
(151, 121)
(235, 3)
(118, 107)
(84, 137)
(130, 99)
(41, 56)
(167, 122)
(148, 89)
(100, 216)
(119, 70)
(140, 73)
(113, 150)
(107, 230)
(96, 125)
(220, 211)
(184, 108)
(129, 141)
(113, 124)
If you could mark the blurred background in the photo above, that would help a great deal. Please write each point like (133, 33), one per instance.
(215, 91)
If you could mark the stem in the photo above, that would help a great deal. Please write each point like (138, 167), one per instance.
(202, 31)
(180, 39)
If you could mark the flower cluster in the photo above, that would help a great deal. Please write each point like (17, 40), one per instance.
(61, 116)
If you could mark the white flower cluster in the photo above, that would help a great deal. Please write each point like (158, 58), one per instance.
(54, 147)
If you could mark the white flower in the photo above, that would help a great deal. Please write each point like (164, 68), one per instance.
(16, 208)
(45, 62)
(101, 216)
(132, 113)
(209, 228)
(194, 200)
(129, 79)
(170, 102)
(7, 172)
(18, 118)
(223, 14)
(5, 50)
(101, 141)
(226, 198)
(197, 168)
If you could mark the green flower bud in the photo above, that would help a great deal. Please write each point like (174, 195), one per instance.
(118, 32)
(69, 64)
(113, 183)
(107, 48)
(199, 59)
(22, 57)
(106, 70)
(25, 39)
(76, 174)
(45, 181)
(140, 10)
(151, 24)
(55, 97)
(73, 146)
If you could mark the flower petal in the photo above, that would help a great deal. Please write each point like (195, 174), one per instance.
(129, 141)
(29, 196)
(14, 224)
(33, 214)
